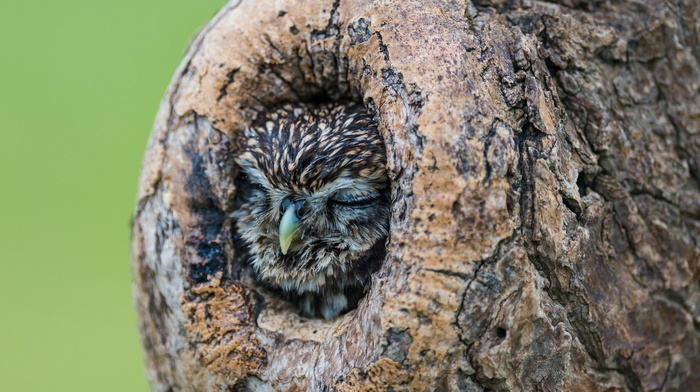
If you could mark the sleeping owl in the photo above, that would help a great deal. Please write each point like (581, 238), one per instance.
(313, 207)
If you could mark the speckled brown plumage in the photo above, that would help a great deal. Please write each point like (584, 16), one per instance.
(326, 163)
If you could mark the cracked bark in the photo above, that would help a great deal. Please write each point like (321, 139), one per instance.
(544, 159)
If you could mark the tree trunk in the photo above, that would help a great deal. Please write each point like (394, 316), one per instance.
(544, 161)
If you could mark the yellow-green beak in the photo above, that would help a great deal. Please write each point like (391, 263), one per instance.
(289, 229)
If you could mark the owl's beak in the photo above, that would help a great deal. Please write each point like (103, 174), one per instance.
(289, 228)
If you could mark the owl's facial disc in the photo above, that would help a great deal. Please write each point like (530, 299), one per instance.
(332, 213)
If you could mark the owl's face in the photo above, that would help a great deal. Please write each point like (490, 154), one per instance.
(314, 206)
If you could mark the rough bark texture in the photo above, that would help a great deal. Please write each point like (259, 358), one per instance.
(544, 159)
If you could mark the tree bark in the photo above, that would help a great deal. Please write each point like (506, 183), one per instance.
(544, 160)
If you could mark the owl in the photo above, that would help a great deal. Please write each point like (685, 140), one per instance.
(313, 208)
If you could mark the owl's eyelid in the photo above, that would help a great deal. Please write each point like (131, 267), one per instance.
(258, 186)
(356, 202)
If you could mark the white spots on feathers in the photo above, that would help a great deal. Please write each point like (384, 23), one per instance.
(332, 159)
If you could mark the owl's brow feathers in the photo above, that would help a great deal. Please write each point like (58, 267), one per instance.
(300, 149)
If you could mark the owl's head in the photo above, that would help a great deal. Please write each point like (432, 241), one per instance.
(315, 196)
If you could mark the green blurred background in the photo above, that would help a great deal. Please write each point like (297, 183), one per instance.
(80, 83)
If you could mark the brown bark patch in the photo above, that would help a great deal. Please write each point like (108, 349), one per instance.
(219, 323)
